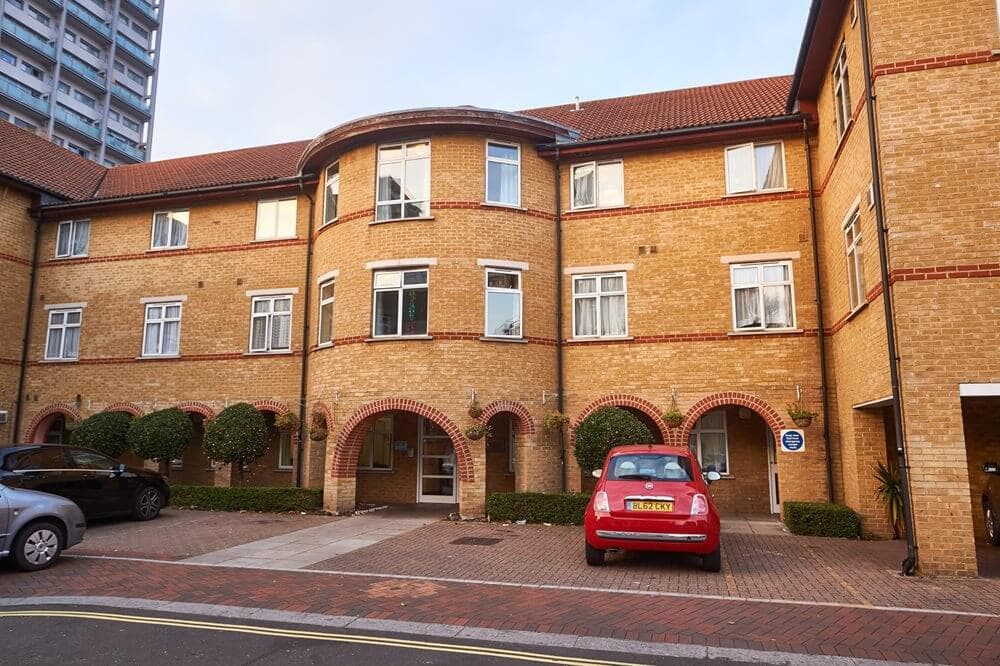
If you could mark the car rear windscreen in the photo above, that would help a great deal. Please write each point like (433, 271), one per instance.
(650, 467)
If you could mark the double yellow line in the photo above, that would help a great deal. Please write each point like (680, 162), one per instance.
(401, 643)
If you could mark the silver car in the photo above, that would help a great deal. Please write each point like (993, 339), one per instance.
(36, 527)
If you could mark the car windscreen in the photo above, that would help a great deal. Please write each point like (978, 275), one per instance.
(650, 467)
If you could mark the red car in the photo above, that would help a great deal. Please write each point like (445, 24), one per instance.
(652, 497)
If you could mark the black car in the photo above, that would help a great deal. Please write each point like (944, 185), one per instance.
(991, 503)
(99, 485)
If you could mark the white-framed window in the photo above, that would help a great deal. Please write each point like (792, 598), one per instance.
(755, 167)
(708, 441)
(503, 303)
(161, 335)
(284, 449)
(855, 266)
(762, 296)
(503, 173)
(326, 299)
(331, 193)
(403, 189)
(72, 238)
(271, 323)
(62, 340)
(170, 229)
(376, 453)
(597, 184)
(600, 306)
(841, 92)
(399, 303)
(276, 218)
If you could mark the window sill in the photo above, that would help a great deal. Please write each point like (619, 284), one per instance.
(283, 352)
(59, 360)
(276, 238)
(428, 218)
(493, 338)
(71, 256)
(764, 331)
(756, 193)
(157, 357)
(284, 470)
(854, 313)
(620, 338)
(325, 345)
(497, 204)
(843, 135)
(327, 223)
(398, 338)
(373, 470)
(596, 208)
(168, 248)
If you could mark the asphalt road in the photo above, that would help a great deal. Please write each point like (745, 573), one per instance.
(68, 635)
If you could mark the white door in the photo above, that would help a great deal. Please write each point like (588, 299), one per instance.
(772, 472)
(436, 480)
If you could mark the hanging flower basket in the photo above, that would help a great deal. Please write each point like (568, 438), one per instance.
(801, 417)
(673, 418)
(475, 411)
(317, 433)
(555, 421)
(477, 431)
(803, 421)
(287, 421)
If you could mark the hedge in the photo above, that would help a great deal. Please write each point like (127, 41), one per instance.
(246, 498)
(558, 508)
(821, 519)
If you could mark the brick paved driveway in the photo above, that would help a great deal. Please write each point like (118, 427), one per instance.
(179, 533)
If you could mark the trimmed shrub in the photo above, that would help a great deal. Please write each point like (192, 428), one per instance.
(604, 429)
(558, 508)
(106, 432)
(160, 435)
(237, 436)
(246, 498)
(821, 519)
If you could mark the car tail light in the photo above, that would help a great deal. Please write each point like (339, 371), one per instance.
(699, 505)
(601, 504)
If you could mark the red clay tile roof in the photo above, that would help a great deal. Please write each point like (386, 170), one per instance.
(245, 165)
(33, 160)
(673, 109)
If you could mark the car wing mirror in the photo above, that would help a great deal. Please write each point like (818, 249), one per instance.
(596, 474)
(712, 476)
(991, 468)
(120, 468)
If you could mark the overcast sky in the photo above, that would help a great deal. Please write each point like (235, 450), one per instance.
(238, 73)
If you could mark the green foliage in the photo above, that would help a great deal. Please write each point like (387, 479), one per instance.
(890, 491)
(246, 498)
(237, 436)
(673, 417)
(557, 508)
(821, 519)
(160, 435)
(477, 431)
(797, 411)
(106, 432)
(604, 429)
(555, 421)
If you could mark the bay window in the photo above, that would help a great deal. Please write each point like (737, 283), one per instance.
(399, 303)
(762, 296)
(600, 306)
(503, 173)
(503, 303)
(755, 167)
(597, 185)
(271, 323)
(404, 181)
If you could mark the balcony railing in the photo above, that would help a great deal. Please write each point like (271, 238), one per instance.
(88, 18)
(146, 9)
(29, 38)
(77, 122)
(134, 50)
(23, 94)
(130, 98)
(125, 147)
(84, 69)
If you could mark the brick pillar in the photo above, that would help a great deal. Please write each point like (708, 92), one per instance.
(472, 494)
(867, 447)
(339, 494)
(223, 476)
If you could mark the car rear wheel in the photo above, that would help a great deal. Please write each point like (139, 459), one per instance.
(992, 529)
(712, 561)
(37, 546)
(595, 556)
(148, 503)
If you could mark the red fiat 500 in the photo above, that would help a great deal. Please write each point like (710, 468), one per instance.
(652, 497)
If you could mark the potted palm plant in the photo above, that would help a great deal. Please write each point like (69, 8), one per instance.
(890, 491)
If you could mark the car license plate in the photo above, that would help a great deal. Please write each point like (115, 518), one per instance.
(647, 505)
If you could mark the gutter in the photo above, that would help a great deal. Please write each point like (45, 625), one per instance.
(560, 384)
(821, 337)
(23, 369)
(909, 565)
(304, 376)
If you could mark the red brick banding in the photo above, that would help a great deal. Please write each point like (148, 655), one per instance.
(770, 415)
(352, 435)
(126, 407)
(69, 410)
(525, 425)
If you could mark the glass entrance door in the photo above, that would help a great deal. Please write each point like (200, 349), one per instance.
(436, 481)
(772, 473)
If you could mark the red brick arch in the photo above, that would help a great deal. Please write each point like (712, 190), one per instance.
(623, 400)
(352, 435)
(125, 407)
(274, 406)
(64, 408)
(525, 425)
(190, 406)
(770, 415)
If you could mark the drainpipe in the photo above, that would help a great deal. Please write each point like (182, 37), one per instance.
(304, 377)
(560, 384)
(25, 340)
(909, 565)
(819, 314)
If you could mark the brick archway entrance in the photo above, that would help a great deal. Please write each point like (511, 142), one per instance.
(510, 448)
(40, 423)
(770, 415)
